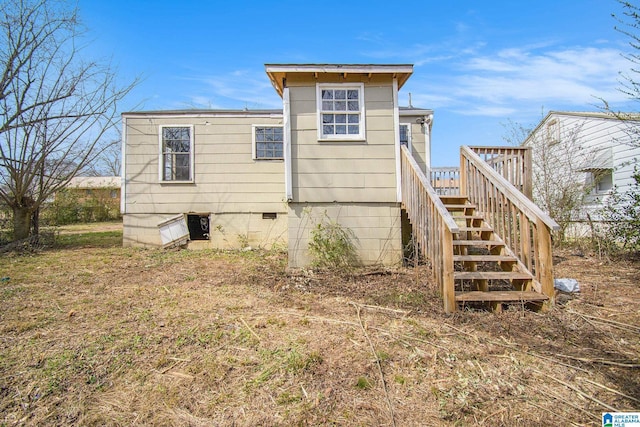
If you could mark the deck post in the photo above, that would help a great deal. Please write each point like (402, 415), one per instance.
(463, 175)
(527, 173)
(448, 287)
(545, 263)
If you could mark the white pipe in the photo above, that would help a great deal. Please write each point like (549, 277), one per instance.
(286, 116)
(396, 132)
(123, 181)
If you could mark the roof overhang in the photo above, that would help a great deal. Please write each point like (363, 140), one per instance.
(415, 112)
(204, 113)
(278, 72)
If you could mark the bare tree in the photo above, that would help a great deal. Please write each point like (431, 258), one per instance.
(629, 25)
(56, 108)
(109, 162)
(560, 186)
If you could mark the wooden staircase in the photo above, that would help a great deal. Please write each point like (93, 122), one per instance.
(489, 244)
(486, 272)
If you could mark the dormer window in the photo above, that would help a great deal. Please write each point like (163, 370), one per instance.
(340, 111)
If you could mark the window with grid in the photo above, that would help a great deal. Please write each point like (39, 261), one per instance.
(268, 142)
(404, 135)
(341, 112)
(176, 153)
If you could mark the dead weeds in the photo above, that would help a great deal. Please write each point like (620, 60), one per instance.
(112, 336)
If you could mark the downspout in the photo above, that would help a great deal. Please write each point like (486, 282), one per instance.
(286, 117)
(123, 182)
(396, 139)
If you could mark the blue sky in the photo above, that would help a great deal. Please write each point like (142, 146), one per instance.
(478, 65)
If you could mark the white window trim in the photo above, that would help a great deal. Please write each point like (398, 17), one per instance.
(346, 137)
(596, 180)
(408, 125)
(161, 157)
(254, 151)
(552, 130)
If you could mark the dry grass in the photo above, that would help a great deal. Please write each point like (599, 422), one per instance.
(112, 336)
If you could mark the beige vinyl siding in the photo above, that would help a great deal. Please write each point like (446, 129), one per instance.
(352, 182)
(226, 177)
(418, 140)
(343, 171)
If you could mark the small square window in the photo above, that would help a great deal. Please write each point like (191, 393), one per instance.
(268, 142)
(602, 181)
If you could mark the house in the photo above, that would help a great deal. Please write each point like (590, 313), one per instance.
(101, 187)
(593, 150)
(265, 177)
(87, 198)
(341, 150)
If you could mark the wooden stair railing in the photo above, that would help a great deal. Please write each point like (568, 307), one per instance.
(433, 226)
(486, 271)
(492, 234)
(513, 163)
(522, 227)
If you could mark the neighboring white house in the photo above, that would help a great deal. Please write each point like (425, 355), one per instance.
(597, 150)
(263, 177)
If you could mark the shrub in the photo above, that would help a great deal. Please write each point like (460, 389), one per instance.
(332, 246)
(621, 214)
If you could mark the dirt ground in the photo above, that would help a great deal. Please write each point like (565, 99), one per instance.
(112, 336)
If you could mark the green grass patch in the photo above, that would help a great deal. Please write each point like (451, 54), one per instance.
(101, 239)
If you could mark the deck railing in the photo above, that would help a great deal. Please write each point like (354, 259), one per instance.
(513, 163)
(433, 226)
(525, 229)
(446, 180)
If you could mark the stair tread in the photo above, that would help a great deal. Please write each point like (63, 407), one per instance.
(500, 296)
(478, 243)
(461, 205)
(480, 258)
(486, 275)
(475, 228)
(453, 196)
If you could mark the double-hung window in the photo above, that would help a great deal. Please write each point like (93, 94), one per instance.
(176, 153)
(267, 142)
(340, 111)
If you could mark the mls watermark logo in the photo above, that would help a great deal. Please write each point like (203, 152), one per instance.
(607, 420)
(621, 419)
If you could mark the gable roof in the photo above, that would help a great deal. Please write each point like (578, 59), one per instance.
(277, 72)
(621, 116)
(94, 182)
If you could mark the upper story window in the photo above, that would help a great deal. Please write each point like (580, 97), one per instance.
(267, 142)
(340, 111)
(553, 132)
(176, 153)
